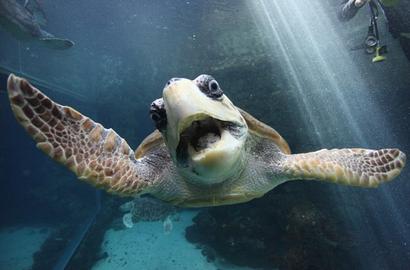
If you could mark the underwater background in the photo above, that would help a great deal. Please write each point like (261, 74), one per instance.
(291, 64)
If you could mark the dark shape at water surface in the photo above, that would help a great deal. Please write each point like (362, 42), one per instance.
(24, 23)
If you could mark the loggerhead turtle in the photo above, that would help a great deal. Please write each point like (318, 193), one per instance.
(205, 151)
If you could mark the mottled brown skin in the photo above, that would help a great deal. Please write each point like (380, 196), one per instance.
(95, 154)
(102, 158)
(354, 167)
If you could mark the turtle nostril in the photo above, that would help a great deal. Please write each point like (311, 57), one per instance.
(173, 80)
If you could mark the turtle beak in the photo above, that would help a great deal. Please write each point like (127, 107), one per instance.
(185, 103)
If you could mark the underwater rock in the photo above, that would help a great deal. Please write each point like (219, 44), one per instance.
(277, 231)
(209, 253)
(51, 249)
(306, 222)
(89, 252)
(204, 221)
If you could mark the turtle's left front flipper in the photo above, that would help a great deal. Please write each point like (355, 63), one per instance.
(95, 154)
(356, 167)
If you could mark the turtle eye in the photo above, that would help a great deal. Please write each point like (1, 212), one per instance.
(155, 116)
(214, 90)
(209, 86)
(213, 85)
(158, 114)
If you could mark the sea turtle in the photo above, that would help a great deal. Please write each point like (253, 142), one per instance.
(24, 21)
(205, 151)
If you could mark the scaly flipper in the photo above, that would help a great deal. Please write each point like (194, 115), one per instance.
(355, 167)
(96, 155)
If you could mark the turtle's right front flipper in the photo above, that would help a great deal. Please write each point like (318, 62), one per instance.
(355, 167)
(96, 155)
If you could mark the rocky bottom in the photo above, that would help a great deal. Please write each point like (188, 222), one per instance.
(281, 230)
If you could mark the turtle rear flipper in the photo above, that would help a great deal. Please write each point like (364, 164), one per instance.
(95, 154)
(355, 167)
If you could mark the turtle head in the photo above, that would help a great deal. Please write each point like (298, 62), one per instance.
(204, 132)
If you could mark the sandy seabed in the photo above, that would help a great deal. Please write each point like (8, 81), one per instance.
(18, 244)
(146, 246)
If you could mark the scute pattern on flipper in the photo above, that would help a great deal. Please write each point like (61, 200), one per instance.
(95, 154)
(356, 167)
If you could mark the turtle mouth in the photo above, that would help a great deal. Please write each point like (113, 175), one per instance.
(202, 135)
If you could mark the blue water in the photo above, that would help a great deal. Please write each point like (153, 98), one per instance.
(288, 63)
